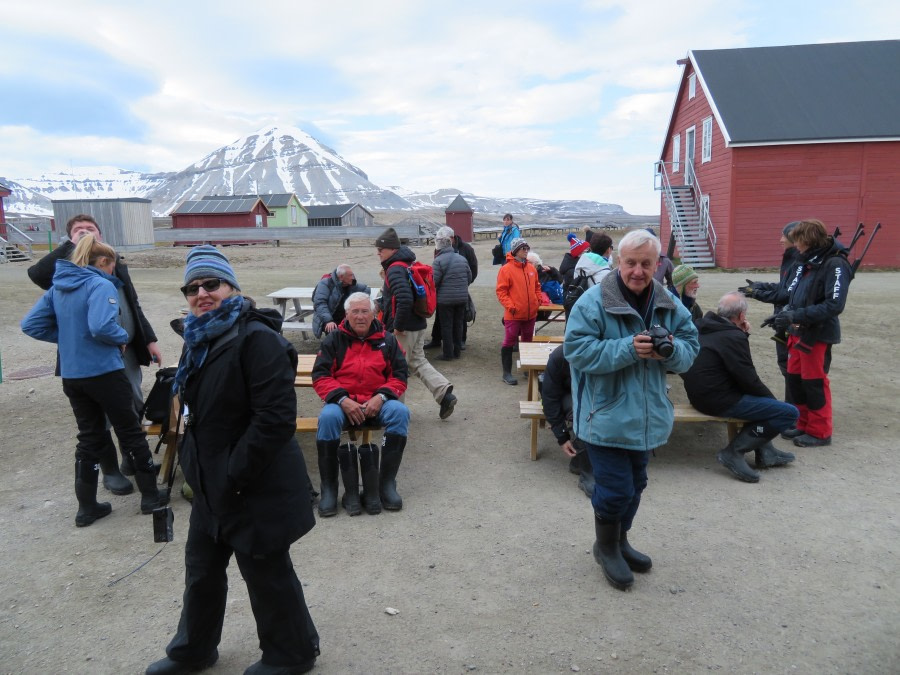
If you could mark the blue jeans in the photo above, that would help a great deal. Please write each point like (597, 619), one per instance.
(394, 417)
(620, 477)
(774, 413)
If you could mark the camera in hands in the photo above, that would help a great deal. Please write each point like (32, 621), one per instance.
(659, 337)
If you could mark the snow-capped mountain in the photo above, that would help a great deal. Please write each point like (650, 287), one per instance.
(271, 160)
(555, 208)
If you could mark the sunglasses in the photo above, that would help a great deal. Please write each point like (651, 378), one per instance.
(209, 286)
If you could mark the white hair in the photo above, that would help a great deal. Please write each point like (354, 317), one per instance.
(445, 232)
(534, 259)
(342, 269)
(637, 239)
(732, 305)
(443, 243)
(359, 296)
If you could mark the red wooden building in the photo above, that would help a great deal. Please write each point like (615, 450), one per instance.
(763, 136)
(221, 213)
(460, 217)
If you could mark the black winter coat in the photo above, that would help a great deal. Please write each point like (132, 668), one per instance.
(723, 370)
(556, 385)
(397, 295)
(41, 273)
(818, 292)
(467, 252)
(770, 292)
(251, 489)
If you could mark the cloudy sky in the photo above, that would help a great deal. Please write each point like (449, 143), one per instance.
(552, 99)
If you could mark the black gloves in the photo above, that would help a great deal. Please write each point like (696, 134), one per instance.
(783, 320)
(749, 289)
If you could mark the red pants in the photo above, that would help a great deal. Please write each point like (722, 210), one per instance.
(809, 386)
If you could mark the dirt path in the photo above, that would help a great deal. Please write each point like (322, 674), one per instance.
(489, 562)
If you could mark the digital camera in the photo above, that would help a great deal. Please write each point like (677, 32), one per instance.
(659, 337)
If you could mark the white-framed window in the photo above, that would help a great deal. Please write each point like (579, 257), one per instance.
(692, 86)
(676, 153)
(706, 142)
(293, 214)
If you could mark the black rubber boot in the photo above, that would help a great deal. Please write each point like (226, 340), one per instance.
(151, 496)
(368, 467)
(732, 455)
(89, 509)
(127, 467)
(767, 456)
(580, 465)
(392, 447)
(167, 666)
(347, 458)
(608, 554)
(636, 561)
(328, 477)
(506, 361)
(113, 480)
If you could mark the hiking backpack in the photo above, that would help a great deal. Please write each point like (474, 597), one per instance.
(580, 283)
(421, 280)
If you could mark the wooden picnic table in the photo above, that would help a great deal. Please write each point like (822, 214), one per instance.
(301, 301)
(533, 358)
(557, 314)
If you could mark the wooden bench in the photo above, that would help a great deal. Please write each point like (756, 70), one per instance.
(556, 339)
(311, 425)
(170, 441)
(303, 326)
(684, 413)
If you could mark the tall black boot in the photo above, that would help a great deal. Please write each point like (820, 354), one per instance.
(636, 561)
(89, 510)
(732, 455)
(368, 466)
(506, 361)
(392, 447)
(328, 476)
(127, 466)
(113, 480)
(608, 554)
(580, 464)
(151, 496)
(347, 458)
(767, 456)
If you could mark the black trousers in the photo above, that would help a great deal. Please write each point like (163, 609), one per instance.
(287, 635)
(94, 399)
(436, 329)
(453, 323)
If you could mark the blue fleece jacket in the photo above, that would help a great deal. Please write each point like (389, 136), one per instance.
(79, 313)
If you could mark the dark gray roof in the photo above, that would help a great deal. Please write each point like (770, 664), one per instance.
(217, 206)
(803, 93)
(271, 201)
(459, 205)
(329, 210)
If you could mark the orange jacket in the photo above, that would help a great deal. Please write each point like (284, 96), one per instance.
(518, 289)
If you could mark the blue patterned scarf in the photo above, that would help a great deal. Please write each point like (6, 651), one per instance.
(199, 330)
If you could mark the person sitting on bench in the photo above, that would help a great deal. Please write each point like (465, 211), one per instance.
(360, 373)
(329, 297)
(722, 381)
(556, 397)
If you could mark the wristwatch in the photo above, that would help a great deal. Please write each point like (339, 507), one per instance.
(383, 397)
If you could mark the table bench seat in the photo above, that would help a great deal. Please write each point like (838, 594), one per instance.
(311, 425)
(684, 413)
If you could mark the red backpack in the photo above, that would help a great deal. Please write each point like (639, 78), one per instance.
(421, 280)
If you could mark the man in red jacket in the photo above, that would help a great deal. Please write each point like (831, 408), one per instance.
(360, 373)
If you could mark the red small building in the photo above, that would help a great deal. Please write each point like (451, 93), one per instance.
(221, 213)
(460, 216)
(4, 192)
(764, 136)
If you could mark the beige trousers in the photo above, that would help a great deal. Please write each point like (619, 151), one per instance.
(413, 343)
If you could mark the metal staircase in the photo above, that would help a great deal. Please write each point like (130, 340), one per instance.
(688, 212)
(16, 246)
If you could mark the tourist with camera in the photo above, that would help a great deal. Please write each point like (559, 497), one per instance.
(619, 389)
(239, 454)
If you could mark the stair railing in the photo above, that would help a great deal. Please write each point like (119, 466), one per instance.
(17, 238)
(661, 182)
(707, 231)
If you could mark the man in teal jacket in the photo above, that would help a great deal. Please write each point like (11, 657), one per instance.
(621, 411)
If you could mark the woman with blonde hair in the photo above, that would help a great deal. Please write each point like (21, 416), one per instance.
(80, 314)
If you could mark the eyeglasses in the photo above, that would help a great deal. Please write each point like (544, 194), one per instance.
(209, 286)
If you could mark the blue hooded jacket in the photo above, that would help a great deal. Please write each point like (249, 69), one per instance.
(619, 398)
(79, 313)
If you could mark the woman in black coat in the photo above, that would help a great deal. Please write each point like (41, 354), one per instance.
(251, 496)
